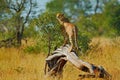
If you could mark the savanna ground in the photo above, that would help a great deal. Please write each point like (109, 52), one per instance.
(15, 64)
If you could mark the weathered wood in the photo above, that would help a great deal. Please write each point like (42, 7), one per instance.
(55, 66)
(62, 55)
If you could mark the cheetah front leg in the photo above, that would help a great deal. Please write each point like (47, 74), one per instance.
(71, 42)
(65, 39)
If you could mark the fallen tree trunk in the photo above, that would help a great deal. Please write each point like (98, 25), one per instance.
(60, 56)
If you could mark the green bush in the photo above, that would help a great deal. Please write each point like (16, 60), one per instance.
(32, 49)
(83, 42)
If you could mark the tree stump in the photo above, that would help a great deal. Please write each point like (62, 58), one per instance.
(60, 56)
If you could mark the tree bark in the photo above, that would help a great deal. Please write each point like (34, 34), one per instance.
(20, 21)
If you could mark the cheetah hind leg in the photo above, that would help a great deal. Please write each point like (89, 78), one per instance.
(71, 47)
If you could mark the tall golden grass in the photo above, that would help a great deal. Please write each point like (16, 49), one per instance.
(17, 65)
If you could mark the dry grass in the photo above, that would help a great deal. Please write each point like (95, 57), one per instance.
(17, 65)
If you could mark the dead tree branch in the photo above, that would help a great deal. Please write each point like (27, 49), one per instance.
(61, 55)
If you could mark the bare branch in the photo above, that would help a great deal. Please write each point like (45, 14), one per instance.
(10, 5)
(13, 7)
(21, 5)
(97, 6)
(26, 19)
(18, 4)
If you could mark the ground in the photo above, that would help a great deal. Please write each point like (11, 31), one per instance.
(15, 64)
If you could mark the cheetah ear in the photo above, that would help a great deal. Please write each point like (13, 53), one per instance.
(57, 14)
